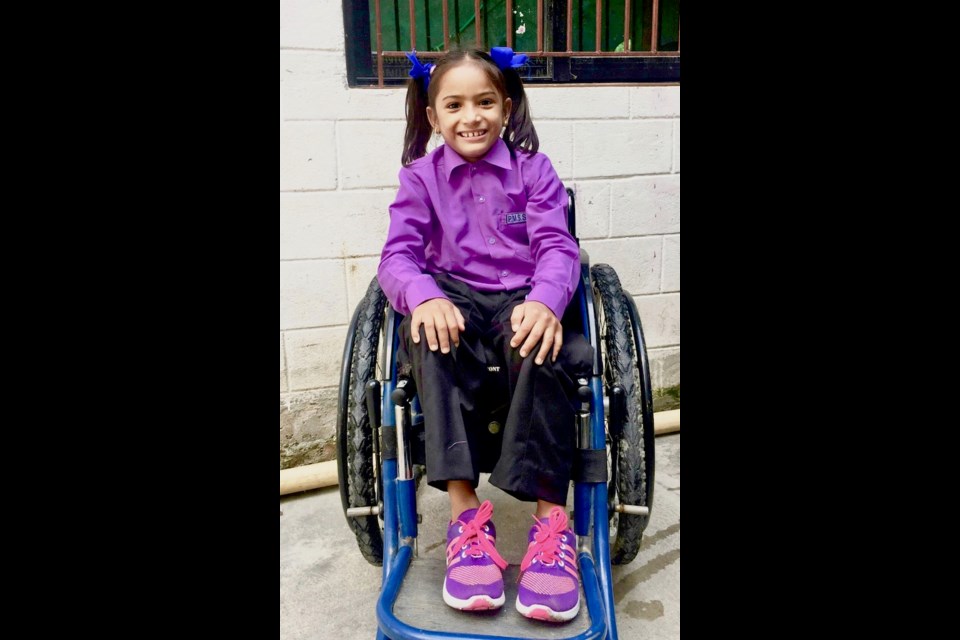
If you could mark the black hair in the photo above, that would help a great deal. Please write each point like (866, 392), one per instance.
(519, 132)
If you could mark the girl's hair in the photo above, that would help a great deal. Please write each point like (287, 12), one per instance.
(519, 132)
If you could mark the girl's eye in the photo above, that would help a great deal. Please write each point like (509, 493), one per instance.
(486, 102)
(453, 105)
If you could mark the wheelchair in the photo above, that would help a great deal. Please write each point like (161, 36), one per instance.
(380, 461)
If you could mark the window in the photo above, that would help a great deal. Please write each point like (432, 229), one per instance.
(560, 36)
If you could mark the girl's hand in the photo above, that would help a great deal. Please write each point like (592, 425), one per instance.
(534, 320)
(442, 322)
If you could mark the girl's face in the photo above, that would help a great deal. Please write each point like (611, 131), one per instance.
(469, 112)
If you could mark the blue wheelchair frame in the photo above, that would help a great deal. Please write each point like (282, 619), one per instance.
(591, 517)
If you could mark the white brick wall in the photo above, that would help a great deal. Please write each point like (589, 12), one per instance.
(645, 205)
(360, 272)
(660, 315)
(308, 158)
(370, 152)
(671, 263)
(578, 103)
(313, 293)
(664, 366)
(636, 260)
(621, 148)
(655, 102)
(592, 208)
(313, 357)
(617, 146)
(333, 224)
(311, 24)
(676, 146)
(556, 142)
(283, 367)
(307, 80)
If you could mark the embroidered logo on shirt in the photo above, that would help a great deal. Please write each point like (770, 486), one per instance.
(516, 218)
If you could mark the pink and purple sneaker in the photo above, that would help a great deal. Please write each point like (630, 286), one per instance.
(549, 586)
(474, 578)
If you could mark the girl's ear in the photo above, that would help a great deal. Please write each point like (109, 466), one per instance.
(432, 117)
(507, 107)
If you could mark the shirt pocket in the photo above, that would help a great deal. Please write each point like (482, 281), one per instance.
(513, 226)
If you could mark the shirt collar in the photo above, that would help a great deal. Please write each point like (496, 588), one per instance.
(498, 156)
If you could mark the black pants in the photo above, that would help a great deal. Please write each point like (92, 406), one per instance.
(460, 390)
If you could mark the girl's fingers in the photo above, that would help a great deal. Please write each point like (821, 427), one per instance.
(516, 317)
(536, 332)
(415, 327)
(516, 323)
(545, 345)
(442, 334)
(453, 327)
(557, 343)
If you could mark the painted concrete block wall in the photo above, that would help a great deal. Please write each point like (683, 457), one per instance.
(618, 147)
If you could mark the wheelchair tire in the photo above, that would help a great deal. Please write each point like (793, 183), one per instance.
(355, 464)
(630, 454)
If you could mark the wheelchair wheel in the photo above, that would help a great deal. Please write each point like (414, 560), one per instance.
(359, 485)
(629, 446)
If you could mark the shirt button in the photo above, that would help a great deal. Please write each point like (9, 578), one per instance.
(492, 240)
(481, 199)
(504, 274)
(473, 169)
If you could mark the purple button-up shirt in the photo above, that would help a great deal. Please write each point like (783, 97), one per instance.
(497, 224)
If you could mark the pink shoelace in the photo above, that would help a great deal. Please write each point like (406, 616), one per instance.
(473, 540)
(548, 545)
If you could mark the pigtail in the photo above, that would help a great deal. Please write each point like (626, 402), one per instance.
(419, 129)
(520, 132)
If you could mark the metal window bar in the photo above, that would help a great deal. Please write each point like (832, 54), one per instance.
(446, 27)
(480, 28)
(413, 25)
(626, 25)
(380, 44)
(654, 29)
(596, 37)
(540, 24)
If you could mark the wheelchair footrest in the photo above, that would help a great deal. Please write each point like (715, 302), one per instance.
(420, 603)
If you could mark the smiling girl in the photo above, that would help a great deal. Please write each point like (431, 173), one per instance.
(479, 260)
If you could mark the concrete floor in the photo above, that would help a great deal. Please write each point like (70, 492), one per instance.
(327, 589)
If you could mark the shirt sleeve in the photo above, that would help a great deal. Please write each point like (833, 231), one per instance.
(402, 262)
(553, 249)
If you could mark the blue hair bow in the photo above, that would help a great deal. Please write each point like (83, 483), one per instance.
(506, 59)
(420, 71)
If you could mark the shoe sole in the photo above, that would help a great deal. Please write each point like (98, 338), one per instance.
(543, 612)
(474, 603)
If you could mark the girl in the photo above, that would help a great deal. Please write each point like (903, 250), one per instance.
(479, 260)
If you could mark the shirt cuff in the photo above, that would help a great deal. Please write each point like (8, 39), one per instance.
(421, 289)
(551, 296)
